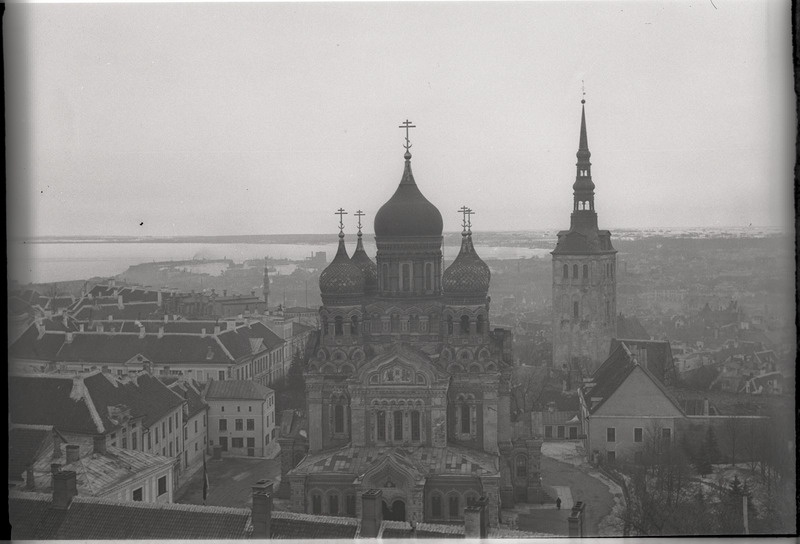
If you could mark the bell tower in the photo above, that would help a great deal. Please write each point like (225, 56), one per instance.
(584, 277)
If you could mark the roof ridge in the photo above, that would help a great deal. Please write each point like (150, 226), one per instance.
(316, 518)
(163, 505)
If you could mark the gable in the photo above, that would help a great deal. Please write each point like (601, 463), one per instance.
(638, 395)
(400, 367)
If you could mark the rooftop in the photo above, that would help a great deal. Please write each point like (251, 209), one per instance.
(236, 389)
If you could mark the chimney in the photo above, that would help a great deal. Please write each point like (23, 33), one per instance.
(73, 453)
(224, 292)
(216, 330)
(159, 298)
(371, 513)
(141, 331)
(174, 317)
(261, 513)
(68, 338)
(81, 326)
(99, 445)
(65, 487)
(110, 317)
(472, 522)
(99, 327)
(120, 305)
(40, 328)
(55, 468)
(65, 321)
(203, 333)
(705, 407)
(161, 332)
(166, 318)
(252, 292)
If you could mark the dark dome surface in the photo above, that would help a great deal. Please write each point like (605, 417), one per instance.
(468, 275)
(342, 276)
(408, 212)
(368, 268)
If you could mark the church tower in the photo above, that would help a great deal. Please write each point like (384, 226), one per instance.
(584, 277)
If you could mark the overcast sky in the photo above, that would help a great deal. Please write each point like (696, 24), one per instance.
(213, 119)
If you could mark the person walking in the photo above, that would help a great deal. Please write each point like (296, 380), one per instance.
(558, 503)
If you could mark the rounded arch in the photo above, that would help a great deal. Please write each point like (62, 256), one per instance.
(447, 354)
(327, 368)
(322, 354)
(491, 367)
(463, 324)
(453, 368)
(338, 355)
(475, 368)
(358, 355)
(484, 354)
(464, 355)
(347, 369)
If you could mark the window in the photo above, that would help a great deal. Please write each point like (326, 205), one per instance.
(195, 425)
(479, 325)
(611, 434)
(436, 506)
(611, 457)
(385, 277)
(149, 444)
(223, 441)
(266, 439)
(223, 425)
(666, 434)
(239, 424)
(566, 271)
(575, 310)
(415, 426)
(170, 424)
(251, 442)
(325, 325)
(405, 270)
(453, 509)
(164, 429)
(354, 326)
(338, 418)
(561, 431)
(548, 431)
(575, 271)
(338, 328)
(186, 433)
(465, 419)
(350, 504)
(238, 408)
(637, 434)
(333, 505)
(398, 425)
(124, 442)
(162, 485)
(586, 271)
(522, 466)
(251, 424)
(573, 433)
(449, 324)
(156, 435)
(222, 375)
(464, 324)
(316, 504)
(138, 494)
(381, 423)
(237, 442)
(428, 276)
(222, 408)
(170, 450)
(134, 441)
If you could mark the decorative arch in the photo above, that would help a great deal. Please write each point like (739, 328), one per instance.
(338, 355)
(464, 355)
(347, 369)
(327, 368)
(475, 368)
(484, 354)
(358, 355)
(491, 367)
(322, 354)
(454, 368)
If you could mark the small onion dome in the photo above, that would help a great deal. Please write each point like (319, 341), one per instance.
(408, 212)
(583, 184)
(341, 278)
(468, 275)
(368, 268)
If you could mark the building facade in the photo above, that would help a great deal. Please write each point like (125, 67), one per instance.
(584, 278)
(241, 417)
(409, 389)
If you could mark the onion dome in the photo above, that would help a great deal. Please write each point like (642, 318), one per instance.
(408, 212)
(342, 278)
(468, 275)
(368, 268)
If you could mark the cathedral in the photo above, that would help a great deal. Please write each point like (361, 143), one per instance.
(584, 278)
(408, 391)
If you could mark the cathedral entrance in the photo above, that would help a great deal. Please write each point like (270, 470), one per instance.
(395, 512)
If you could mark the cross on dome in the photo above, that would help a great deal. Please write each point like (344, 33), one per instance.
(359, 214)
(340, 212)
(407, 125)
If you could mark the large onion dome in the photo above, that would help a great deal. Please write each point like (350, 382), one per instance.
(342, 278)
(468, 275)
(408, 212)
(368, 268)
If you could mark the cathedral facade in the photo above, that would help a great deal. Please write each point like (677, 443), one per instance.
(409, 389)
(584, 278)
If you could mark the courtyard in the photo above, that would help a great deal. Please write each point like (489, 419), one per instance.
(230, 481)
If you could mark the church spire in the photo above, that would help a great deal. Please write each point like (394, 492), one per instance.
(583, 186)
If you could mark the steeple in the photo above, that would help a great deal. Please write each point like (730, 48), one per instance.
(583, 213)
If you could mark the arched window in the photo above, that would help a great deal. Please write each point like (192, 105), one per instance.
(465, 418)
(449, 324)
(405, 270)
(338, 326)
(325, 331)
(398, 425)
(333, 505)
(338, 418)
(612, 270)
(413, 323)
(350, 504)
(575, 310)
(436, 506)
(522, 466)
(385, 277)
(586, 271)
(380, 424)
(316, 503)
(354, 325)
(428, 277)
(395, 322)
(415, 436)
(575, 271)
(566, 271)
(453, 509)
(479, 324)
(464, 324)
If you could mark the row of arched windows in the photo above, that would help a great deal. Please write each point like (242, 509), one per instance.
(575, 271)
(450, 506)
(406, 280)
(331, 503)
(396, 324)
(583, 205)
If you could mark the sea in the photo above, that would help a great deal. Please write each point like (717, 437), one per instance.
(67, 261)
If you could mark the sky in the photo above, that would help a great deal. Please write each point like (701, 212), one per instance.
(262, 118)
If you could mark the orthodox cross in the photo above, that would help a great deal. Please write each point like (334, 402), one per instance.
(407, 125)
(469, 213)
(463, 210)
(359, 214)
(583, 91)
(340, 212)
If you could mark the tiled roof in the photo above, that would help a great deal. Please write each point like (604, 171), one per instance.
(192, 395)
(236, 389)
(29, 346)
(25, 444)
(237, 341)
(306, 526)
(99, 474)
(439, 530)
(32, 518)
(356, 460)
(81, 404)
(120, 348)
(130, 310)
